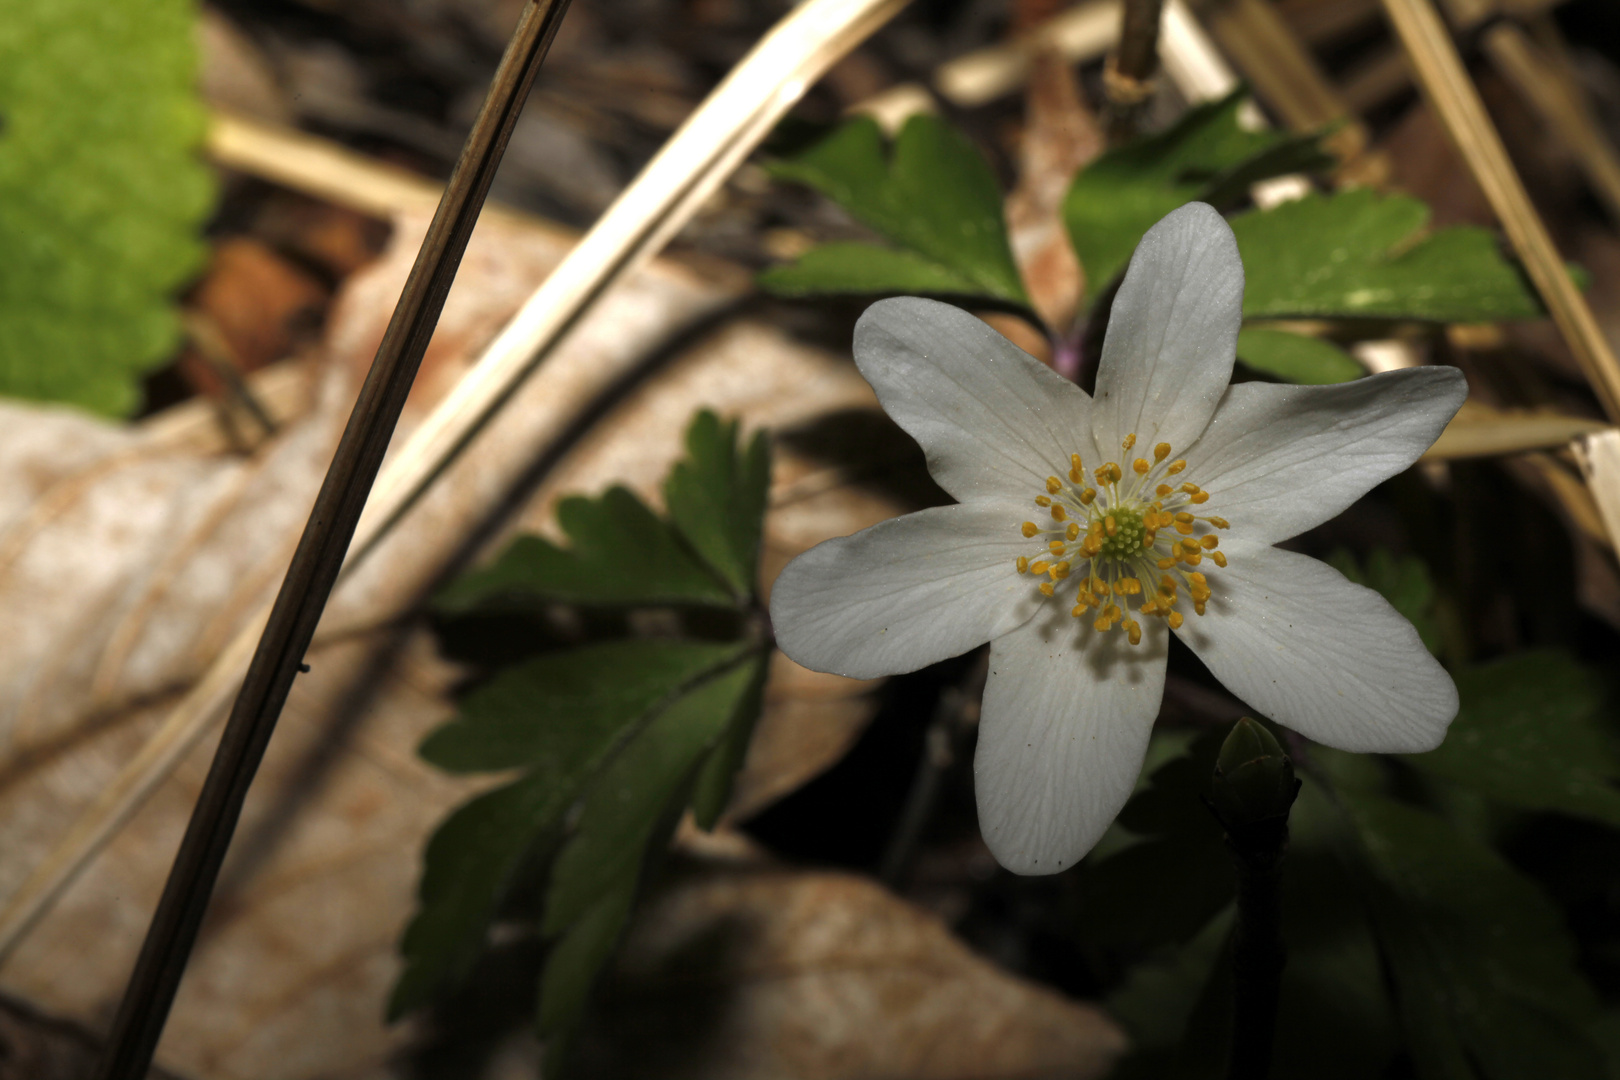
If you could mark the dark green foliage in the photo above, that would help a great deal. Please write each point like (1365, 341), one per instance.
(613, 740)
(102, 194)
(934, 197)
(1205, 156)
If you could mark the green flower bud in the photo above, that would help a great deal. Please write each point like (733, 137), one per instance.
(1254, 778)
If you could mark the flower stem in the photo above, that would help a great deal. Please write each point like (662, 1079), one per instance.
(1253, 789)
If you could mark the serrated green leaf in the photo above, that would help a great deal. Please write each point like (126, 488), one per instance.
(466, 867)
(1402, 580)
(1530, 734)
(578, 956)
(1205, 155)
(1481, 958)
(558, 713)
(935, 196)
(713, 788)
(102, 194)
(716, 498)
(620, 553)
(1295, 358)
(627, 801)
(856, 268)
(1358, 254)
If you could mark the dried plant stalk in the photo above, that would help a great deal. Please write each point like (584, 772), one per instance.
(1445, 82)
(692, 165)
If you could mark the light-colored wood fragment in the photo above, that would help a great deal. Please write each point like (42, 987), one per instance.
(1446, 84)
(1083, 32)
(1599, 457)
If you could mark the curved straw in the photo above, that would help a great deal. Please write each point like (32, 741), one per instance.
(692, 165)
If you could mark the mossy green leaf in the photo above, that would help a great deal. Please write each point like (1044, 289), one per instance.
(934, 196)
(856, 268)
(102, 194)
(1359, 254)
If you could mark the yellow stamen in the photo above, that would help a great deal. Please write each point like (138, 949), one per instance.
(1111, 525)
(1130, 441)
(1058, 513)
(1219, 523)
(1176, 466)
(1176, 620)
(1073, 531)
(1060, 571)
(1053, 485)
(1030, 528)
(1161, 451)
(1220, 558)
(1087, 496)
(1042, 500)
(1140, 466)
(1047, 588)
(1023, 564)
(1163, 489)
(1200, 498)
(1133, 630)
(1038, 566)
(1055, 547)
(1210, 542)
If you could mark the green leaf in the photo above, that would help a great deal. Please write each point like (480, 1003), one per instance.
(578, 956)
(1481, 959)
(556, 713)
(851, 267)
(1358, 254)
(1402, 580)
(1530, 734)
(935, 197)
(561, 716)
(1205, 155)
(102, 194)
(468, 863)
(713, 789)
(620, 553)
(1295, 358)
(628, 800)
(716, 498)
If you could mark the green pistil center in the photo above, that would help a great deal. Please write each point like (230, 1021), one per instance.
(1125, 542)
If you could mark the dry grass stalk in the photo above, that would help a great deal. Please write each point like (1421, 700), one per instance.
(1446, 84)
(1599, 458)
(1482, 431)
(691, 166)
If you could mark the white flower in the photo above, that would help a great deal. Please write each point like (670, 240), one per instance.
(1085, 528)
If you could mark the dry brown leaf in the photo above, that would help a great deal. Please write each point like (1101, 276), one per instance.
(740, 970)
(133, 554)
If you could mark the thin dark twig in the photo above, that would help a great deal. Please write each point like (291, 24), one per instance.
(318, 558)
(1128, 76)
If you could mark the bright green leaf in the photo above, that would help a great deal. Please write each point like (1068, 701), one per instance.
(1295, 358)
(1205, 155)
(557, 713)
(934, 196)
(1358, 254)
(851, 267)
(716, 498)
(620, 553)
(1530, 734)
(632, 795)
(102, 194)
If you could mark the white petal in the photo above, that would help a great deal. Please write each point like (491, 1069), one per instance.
(994, 421)
(907, 592)
(1332, 660)
(1064, 727)
(1172, 333)
(1277, 460)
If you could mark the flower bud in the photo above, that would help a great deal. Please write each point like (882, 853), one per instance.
(1254, 778)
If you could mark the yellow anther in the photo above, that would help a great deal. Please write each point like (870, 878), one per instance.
(1130, 441)
(1110, 524)
(1149, 607)
(1148, 538)
(1038, 566)
(1163, 489)
(1109, 473)
(1073, 531)
(1060, 571)
(1042, 500)
(1140, 466)
(1190, 488)
(1128, 586)
(1023, 564)
(1101, 625)
(1188, 546)
(1055, 547)
(1210, 542)
(1076, 464)
(1197, 579)
(1165, 564)
(1053, 485)
(1047, 589)
(1079, 610)
(1112, 612)
(1219, 523)
(1058, 513)
(1161, 451)
(1077, 476)
(1195, 558)
(1198, 606)
(1185, 517)
(1220, 558)
(1200, 498)
(1087, 496)
(1030, 528)
(1176, 466)
(1184, 528)
(1176, 620)
(1133, 630)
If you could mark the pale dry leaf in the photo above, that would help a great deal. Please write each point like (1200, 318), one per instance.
(299, 950)
(741, 970)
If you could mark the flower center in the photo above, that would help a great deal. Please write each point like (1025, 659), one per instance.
(1125, 540)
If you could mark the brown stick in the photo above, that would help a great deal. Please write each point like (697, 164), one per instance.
(315, 564)
(1128, 75)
